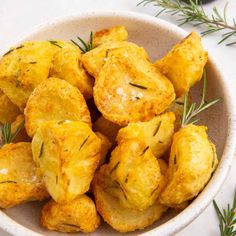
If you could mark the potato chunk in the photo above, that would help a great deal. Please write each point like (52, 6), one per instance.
(192, 161)
(94, 60)
(136, 178)
(68, 153)
(79, 215)
(117, 33)
(23, 68)
(19, 180)
(184, 64)
(120, 218)
(8, 110)
(130, 89)
(55, 99)
(66, 65)
(157, 133)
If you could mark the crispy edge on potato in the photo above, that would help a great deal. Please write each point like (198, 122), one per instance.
(19, 179)
(79, 215)
(157, 133)
(66, 65)
(67, 153)
(23, 68)
(183, 65)
(55, 99)
(117, 33)
(120, 218)
(192, 161)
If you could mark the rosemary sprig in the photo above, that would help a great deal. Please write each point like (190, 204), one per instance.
(7, 135)
(194, 13)
(227, 218)
(55, 43)
(83, 46)
(190, 112)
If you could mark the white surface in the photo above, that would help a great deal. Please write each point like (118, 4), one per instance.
(20, 16)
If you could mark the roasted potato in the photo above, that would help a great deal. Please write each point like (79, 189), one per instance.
(18, 124)
(8, 110)
(105, 146)
(54, 99)
(66, 65)
(19, 179)
(117, 33)
(79, 215)
(94, 60)
(130, 89)
(107, 128)
(184, 64)
(192, 160)
(23, 68)
(120, 218)
(157, 133)
(135, 174)
(67, 153)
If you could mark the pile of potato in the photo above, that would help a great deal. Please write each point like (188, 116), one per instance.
(104, 123)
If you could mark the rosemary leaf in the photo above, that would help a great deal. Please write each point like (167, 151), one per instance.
(137, 85)
(82, 45)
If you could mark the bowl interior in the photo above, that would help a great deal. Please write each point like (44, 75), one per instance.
(157, 37)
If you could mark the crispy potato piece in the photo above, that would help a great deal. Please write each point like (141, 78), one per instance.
(94, 60)
(130, 89)
(120, 218)
(8, 110)
(105, 146)
(117, 33)
(79, 215)
(192, 160)
(66, 65)
(68, 153)
(136, 178)
(23, 68)
(157, 133)
(184, 64)
(54, 99)
(19, 180)
(22, 135)
(107, 128)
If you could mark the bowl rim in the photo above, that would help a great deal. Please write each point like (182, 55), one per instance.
(206, 196)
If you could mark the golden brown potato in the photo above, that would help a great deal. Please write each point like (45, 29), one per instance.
(66, 65)
(120, 218)
(68, 153)
(117, 33)
(8, 110)
(54, 99)
(94, 60)
(79, 215)
(135, 174)
(19, 124)
(19, 180)
(157, 133)
(23, 68)
(184, 64)
(107, 128)
(130, 89)
(105, 146)
(192, 161)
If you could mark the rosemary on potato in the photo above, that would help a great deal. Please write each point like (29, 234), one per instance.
(55, 43)
(82, 45)
(137, 85)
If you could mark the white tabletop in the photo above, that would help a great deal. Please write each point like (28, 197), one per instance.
(19, 16)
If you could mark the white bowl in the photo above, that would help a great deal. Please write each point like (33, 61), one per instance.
(157, 36)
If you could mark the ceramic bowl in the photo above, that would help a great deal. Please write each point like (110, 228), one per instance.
(157, 36)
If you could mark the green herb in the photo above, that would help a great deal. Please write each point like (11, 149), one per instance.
(157, 128)
(126, 178)
(55, 43)
(7, 136)
(190, 112)
(194, 13)
(227, 218)
(137, 85)
(84, 142)
(33, 62)
(41, 150)
(8, 182)
(114, 167)
(179, 103)
(11, 50)
(82, 45)
(175, 160)
(145, 149)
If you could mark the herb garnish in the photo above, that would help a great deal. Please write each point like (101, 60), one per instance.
(137, 85)
(84, 47)
(157, 128)
(55, 43)
(145, 149)
(84, 142)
